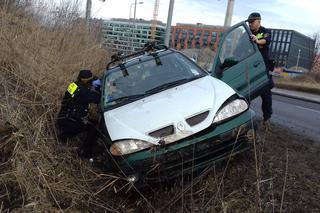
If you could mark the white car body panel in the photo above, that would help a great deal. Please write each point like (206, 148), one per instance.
(169, 107)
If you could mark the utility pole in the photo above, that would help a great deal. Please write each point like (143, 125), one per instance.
(134, 25)
(88, 14)
(298, 58)
(135, 9)
(169, 20)
(229, 12)
(132, 35)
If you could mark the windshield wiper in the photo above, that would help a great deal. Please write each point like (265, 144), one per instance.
(167, 85)
(128, 98)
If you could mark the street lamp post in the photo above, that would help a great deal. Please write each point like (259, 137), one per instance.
(135, 3)
(88, 12)
(298, 58)
(134, 19)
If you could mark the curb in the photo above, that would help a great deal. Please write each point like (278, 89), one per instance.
(299, 97)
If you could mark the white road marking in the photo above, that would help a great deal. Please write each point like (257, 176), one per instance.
(312, 110)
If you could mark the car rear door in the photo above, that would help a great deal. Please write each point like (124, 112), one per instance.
(239, 63)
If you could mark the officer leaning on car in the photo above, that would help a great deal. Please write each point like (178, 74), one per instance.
(262, 37)
(73, 115)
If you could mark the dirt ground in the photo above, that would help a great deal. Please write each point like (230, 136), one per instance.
(287, 170)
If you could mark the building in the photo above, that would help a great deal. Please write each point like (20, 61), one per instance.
(291, 49)
(186, 36)
(130, 35)
(288, 48)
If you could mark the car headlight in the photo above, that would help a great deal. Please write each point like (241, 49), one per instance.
(233, 108)
(125, 147)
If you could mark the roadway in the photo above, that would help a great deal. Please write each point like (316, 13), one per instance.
(300, 116)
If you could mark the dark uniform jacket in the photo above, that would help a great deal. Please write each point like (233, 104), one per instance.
(264, 33)
(76, 101)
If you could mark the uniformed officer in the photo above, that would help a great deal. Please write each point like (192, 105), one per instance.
(73, 115)
(262, 37)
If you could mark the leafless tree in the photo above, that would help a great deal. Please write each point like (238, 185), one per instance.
(204, 57)
(8, 4)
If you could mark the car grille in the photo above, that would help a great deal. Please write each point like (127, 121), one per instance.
(199, 153)
(168, 130)
(187, 158)
(194, 120)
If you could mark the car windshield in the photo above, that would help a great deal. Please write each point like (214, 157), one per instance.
(147, 77)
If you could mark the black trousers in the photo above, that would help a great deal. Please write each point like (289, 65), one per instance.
(266, 97)
(69, 128)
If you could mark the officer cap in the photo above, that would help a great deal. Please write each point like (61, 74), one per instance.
(85, 75)
(254, 16)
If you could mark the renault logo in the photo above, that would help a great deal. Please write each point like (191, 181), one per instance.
(180, 126)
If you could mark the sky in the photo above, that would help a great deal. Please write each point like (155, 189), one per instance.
(300, 15)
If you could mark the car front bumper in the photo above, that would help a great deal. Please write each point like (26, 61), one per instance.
(189, 154)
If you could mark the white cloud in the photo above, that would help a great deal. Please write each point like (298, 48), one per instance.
(309, 7)
(302, 16)
(121, 9)
(184, 11)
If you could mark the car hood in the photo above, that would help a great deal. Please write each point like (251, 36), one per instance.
(168, 109)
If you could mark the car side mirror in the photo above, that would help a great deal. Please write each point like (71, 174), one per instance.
(229, 62)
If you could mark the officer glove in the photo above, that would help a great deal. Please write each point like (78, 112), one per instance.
(97, 84)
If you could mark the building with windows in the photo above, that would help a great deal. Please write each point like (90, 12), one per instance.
(288, 48)
(291, 49)
(186, 36)
(130, 35)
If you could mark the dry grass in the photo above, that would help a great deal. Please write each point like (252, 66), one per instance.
(36, 64)
(287, 174)
(309, 82)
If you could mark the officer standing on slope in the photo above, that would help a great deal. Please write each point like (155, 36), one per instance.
(262, 37)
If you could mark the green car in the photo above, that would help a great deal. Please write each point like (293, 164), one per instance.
(164, 116)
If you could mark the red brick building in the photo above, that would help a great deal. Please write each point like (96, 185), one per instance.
(316, 65)
(186, 36)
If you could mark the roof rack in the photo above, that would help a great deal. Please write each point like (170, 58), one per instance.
(149, 47)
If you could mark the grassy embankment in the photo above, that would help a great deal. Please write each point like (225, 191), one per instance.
(309, 82)
(37, 61)
(37, 174)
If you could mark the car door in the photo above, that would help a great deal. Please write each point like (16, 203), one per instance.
(239, 63)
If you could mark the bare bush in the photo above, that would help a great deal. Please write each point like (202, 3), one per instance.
(37, 60)
(316, 54)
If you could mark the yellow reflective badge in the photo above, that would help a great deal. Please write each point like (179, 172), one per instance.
(260, 36)
(72, 88)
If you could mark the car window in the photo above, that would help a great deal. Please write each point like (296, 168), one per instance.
(148, 75)
(236, 45)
